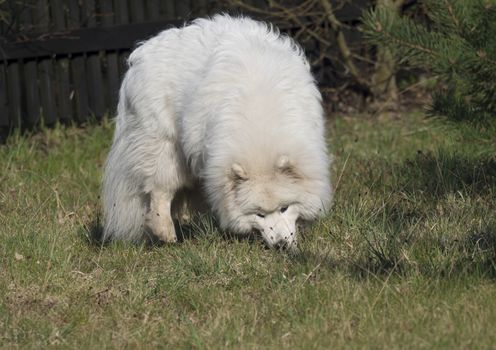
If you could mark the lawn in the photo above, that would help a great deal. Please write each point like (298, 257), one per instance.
(405, 259)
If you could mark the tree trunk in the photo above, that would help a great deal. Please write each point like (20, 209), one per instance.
(383, 79)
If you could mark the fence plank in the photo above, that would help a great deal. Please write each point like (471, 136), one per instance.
(74, 14)
(95, 83)
(77, 100)
(23, 17)
(111, 63)
(113, 80)
(61, 84)
(169, 10)
(4, 110)
(14, 94)
(3, 24)
(80, 91)
(183, 9)
(108, 13)
(153, 9)
(123, 56)
(121, 12)
(47, 77)
(41, 16)
(32, 93)
(41, 23)
(201, 8)
(96, 91)
(89, 16)
(137, 11)
(65, 111)
(57, 11)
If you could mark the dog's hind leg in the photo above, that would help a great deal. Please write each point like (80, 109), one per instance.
(158, 220)
(167, 174)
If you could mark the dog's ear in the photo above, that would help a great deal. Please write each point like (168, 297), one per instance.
(285, 166)
(238, 173)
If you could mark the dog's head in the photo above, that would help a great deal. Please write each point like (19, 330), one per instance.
(269, 202)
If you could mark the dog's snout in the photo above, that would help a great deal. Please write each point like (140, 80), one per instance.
(281, 244)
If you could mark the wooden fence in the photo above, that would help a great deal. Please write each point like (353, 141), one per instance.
(63, 60)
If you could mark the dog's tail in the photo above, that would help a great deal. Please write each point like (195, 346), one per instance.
(124, 204)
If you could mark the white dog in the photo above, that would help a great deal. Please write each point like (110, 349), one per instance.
(227, 103)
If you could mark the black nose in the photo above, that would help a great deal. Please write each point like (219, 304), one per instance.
(281, 244)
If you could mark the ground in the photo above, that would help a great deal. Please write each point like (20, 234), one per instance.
(405, 259)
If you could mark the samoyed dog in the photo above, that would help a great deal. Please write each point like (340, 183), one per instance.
(227, 104)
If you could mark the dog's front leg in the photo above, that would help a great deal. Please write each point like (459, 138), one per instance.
(158, 218)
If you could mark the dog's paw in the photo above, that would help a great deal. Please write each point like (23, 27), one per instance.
(161, 227)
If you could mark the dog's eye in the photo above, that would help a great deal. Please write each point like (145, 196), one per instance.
(260, 215)
(283, 209)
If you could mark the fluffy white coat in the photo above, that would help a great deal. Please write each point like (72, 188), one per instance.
(227, 103)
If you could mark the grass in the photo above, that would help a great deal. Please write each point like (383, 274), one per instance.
(405, 259)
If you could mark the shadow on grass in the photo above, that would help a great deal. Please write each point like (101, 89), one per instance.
(436, 175)
(416, 186)
(93, 234)
(318, 260)
(201, 225)
(467, 260)
(475, 254)
(400, 253)
(190, 200)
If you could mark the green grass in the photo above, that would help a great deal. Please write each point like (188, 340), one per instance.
(405, 259)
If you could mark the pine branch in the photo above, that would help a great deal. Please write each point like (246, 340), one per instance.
(460, 46)
(386, 28)
(452, 14)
